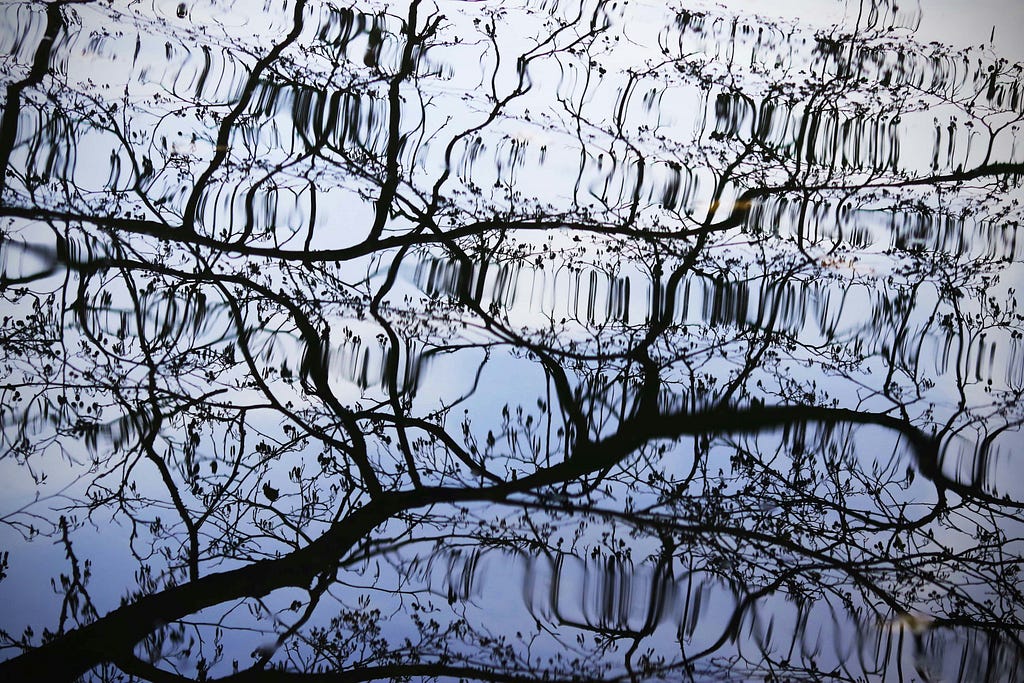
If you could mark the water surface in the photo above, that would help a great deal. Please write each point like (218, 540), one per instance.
(511, 341)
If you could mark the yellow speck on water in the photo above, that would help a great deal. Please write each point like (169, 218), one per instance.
(915, 623)
(847, 264)
(742, 205)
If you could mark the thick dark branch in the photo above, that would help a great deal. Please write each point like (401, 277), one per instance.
(117, 632)
(364, 673)
(40, 66)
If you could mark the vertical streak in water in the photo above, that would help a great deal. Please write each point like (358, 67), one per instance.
(229, 121)
(40, 65)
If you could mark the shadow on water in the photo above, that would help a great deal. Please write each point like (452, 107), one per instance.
(507, 342)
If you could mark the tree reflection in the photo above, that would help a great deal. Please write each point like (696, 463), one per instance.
(373, 365)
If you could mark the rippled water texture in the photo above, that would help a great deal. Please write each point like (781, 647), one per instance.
(501, 341)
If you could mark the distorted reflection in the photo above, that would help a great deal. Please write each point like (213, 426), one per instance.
(498, 341)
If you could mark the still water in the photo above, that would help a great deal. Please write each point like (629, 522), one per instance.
(519, 341)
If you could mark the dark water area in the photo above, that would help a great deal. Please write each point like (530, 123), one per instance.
(486, 341)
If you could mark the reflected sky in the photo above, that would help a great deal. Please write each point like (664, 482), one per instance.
(534, 341)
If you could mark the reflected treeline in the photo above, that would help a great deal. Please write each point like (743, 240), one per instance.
(834, 140)
(859, 52)
(691, 573)
(549, 341)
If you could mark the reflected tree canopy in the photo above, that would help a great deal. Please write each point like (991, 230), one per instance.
(508, 342)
